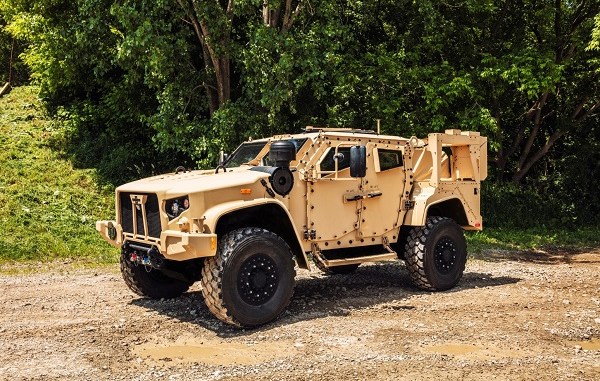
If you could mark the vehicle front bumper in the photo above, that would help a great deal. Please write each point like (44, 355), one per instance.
(174, 245)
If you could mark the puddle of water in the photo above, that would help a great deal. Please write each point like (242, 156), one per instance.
(215, 352)
(589, 345)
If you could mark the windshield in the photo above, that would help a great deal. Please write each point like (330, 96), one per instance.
(244, 153)
(248, 151)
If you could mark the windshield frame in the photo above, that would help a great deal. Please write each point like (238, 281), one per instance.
(298, 143)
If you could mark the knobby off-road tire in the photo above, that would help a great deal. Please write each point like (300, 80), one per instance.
(152, 284)
(251, 279)
(436, 254)
(336, 270)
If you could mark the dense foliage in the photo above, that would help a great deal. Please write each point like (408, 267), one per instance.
(183, 79)
(12, 68)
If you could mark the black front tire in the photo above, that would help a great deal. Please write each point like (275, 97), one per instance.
(251, 279)
(150, 282)
(436, 254)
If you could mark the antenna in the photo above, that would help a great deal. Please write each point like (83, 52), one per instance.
(378, 126)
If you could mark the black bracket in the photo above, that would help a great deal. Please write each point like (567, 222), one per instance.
(267, 188)
(310, 234)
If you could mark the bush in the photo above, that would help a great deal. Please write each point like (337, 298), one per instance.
(509, 205)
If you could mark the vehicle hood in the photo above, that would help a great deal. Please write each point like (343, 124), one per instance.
(176, 185)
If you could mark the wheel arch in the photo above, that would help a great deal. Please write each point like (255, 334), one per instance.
(428, 206)
(271, 215)
(452, 208)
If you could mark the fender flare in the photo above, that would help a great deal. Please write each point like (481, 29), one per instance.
(418, 215)
(214, 214)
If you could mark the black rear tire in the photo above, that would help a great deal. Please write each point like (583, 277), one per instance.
(251, 279)
(151, 283)
(436, 254)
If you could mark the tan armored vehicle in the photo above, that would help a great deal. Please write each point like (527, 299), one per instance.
(340, 197)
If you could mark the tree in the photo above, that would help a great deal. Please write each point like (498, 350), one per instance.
(195, 77)
(12, 69)
(539, 59)
(212, 24)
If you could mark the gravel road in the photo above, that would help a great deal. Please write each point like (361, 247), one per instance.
(514, 316)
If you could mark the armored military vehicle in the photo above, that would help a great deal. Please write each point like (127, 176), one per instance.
(335, 197)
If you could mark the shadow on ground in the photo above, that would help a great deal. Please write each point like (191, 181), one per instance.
(548, 255)
(385, 286)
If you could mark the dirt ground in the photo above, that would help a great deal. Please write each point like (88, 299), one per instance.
(514, 316)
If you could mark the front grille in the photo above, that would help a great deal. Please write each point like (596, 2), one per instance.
(132, 214)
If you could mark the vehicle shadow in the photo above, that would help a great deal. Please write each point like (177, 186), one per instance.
(549, 256)
(380, 286)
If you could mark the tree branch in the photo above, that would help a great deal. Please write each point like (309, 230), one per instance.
(538, 155)
(229, 11)
(11, 63)
(578, 17)
(207, 51)
(534, 132)
(287, 26)
(286, 14)
(266, 13)
(504, 155)
(579, 108)
(557, 28)
(588, 112)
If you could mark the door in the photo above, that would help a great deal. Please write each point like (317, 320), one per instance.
(331, 215)
(383, 187)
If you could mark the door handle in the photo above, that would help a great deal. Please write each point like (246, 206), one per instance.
(356, 197)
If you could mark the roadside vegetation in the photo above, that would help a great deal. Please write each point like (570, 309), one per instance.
(48, 208)
(123, 83)
(532, 239)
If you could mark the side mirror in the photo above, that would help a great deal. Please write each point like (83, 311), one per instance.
(358, 161)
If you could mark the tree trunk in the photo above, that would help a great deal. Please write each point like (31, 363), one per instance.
(534, 131)
(273, 18)
(518, 176)
(215, 61)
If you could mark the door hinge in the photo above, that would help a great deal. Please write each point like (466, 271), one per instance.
(310, 234)
(408, 204)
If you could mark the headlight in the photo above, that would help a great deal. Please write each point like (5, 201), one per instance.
(175, 206)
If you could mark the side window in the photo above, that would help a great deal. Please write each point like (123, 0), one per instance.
(328, 162)
(389, 159)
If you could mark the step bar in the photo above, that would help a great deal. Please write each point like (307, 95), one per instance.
(358, 260)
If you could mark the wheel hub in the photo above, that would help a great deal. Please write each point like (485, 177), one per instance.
(445, 255)
(257, 279)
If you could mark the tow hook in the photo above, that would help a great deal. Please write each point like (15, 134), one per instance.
(139, 255)
(139, 259)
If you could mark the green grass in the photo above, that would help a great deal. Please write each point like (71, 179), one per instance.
(48, 208)
(536, 238)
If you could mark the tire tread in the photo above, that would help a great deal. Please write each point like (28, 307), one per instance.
(212, 271)
(415, 252)
(144, 284)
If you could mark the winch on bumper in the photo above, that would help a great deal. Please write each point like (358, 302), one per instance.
(173, 245)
